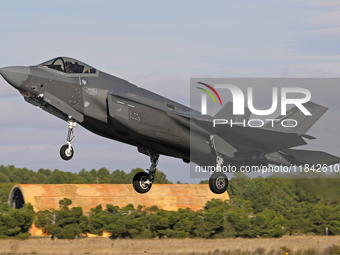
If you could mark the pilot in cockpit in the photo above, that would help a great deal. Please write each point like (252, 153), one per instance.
(74, 68)
(69, 67)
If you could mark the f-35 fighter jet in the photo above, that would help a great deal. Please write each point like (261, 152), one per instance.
(116, 109)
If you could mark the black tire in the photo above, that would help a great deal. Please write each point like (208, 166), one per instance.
(64, 154)
(218, 183)
(138, 182)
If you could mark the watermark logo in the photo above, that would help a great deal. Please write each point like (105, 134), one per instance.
(239, 99)
(257, 125)
(204, 97)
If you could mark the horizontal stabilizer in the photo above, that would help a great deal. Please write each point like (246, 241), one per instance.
(264, 140)
(226, 113)
(304, 122)
(298, 157)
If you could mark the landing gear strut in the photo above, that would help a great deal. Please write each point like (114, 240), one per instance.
(218, 181)
(142, 181)
(66, 151)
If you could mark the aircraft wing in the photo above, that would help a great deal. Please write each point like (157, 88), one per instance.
(256, 139)
(301, 157)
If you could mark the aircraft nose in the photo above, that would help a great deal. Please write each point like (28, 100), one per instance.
(15, 75)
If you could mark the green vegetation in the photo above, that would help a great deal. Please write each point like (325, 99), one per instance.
(324, 187)
(5, 189)
(11, 174)
(218, 219)
(16, 223)
(153, 222)
(259, 207)
(281, 204)
(64, 223)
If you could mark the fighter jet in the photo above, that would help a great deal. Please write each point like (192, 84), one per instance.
(116, 109)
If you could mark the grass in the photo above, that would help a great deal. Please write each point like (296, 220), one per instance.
(295, 245)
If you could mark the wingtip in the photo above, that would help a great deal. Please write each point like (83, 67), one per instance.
(309, 137)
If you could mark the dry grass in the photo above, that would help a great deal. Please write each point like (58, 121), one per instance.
(296, 244)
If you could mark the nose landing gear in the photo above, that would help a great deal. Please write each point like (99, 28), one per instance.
(66, 151)
(142, 181)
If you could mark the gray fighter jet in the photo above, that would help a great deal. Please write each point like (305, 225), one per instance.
(116, 109)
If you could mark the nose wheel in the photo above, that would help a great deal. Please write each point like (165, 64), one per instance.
(66, 151)
(142, 181)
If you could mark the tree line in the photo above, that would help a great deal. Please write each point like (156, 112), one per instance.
(259, 207)
(46, 176)
(10, 175)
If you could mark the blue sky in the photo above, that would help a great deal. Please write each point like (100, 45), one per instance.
(157, 45)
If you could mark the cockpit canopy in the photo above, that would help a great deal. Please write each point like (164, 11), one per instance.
(68, 65)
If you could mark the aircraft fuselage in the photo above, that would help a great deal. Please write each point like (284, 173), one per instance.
(116, 109)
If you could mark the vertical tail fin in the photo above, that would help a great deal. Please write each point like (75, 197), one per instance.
(304, 123)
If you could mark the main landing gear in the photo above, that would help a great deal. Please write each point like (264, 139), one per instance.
(218, 181)
(142, 181)
(66, 151)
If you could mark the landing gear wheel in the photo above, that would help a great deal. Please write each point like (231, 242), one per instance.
(218, 183)
(66, 153)
(139, 182)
